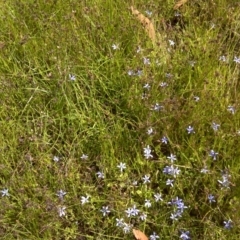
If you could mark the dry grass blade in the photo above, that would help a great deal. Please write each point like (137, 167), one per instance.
(179, 4)
(148, 25)
(139, 235)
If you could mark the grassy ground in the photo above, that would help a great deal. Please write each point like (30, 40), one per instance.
(82, 153)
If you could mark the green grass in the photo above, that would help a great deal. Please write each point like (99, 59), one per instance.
(102, 114)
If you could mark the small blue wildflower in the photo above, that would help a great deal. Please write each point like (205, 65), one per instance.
(190, 129)
(168, 75)
(171, 42)
(56, 159)
(121, 166)
(225, 181)
(135, 183)
(171, 171)
(157, 107)
(163, 84)
(72, 77)
(211, 198)
(84, 157)
(154, 236)
(146, 61)
(139, 73)
(100, 174)
(158, 197)
(5, 192)
(149, 13)
(215, 126)
(139, 49)
(147, 152)
(84, 200)
(105, 210)
(147, 86)
(178, 202)
(61, 194)
(222, 58)
(164, 140)
(172, 157)
(120, 222)
(213, 154)
(61, 211)
(146, 179)
(150, 131)
(231, 109)
(143, 216)
(169, 182)
(115, 46)
(147, 203)
(185, 235)
(132, 212)
(204, 170)
(236, 59)
(126, 228)
(196, 98)
(175, 216)
(130, 73)
(228, 224)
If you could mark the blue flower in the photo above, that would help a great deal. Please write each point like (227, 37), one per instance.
(158, 197)
(84, 199)
(143, 216)
(196, 98)
(150, 131)
(172, 157)
(236, 59)
(5, 192)
(56, 158)
(100, 174)
(211, 198)
(146, 61)
(215, 126)
(84, 157)
(61, 194)
(105, 210)
(61, 211)
(147, 152)
(190, 129)
(164, 140)
(154, 236)
(171, 171)
(169, 182)
(228, 224)
(222, 58)
(157, 107)
(146, 179)
(72, 77)
(225, 181)
(115, 46)
(231, 109)
(121, 166)
(185, 235)
(132, 211)
(120, 222)
(147, 203)
(204, 170)
(213, 154)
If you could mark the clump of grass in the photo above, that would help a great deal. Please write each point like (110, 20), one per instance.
(101, 133)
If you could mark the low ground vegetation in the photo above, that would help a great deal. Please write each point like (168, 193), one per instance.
(103, 131)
